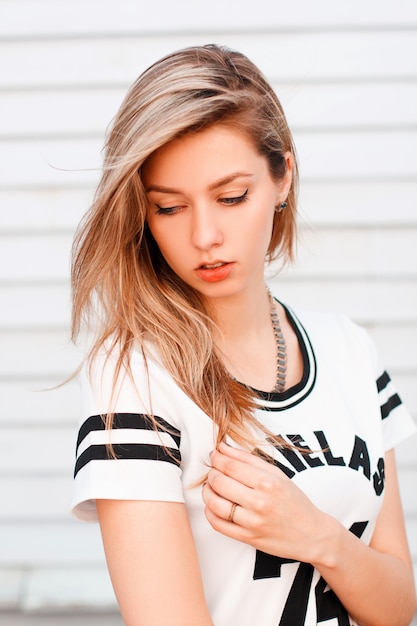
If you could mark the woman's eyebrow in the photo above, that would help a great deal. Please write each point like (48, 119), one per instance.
(218, 183)
(229, 179)
(161, 189)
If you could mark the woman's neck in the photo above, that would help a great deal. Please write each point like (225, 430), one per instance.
(246, 342)
(242, 315)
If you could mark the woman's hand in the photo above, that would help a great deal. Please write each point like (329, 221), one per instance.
(272, 513)
(374, 583)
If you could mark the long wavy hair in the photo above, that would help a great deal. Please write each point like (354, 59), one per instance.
(122, 287)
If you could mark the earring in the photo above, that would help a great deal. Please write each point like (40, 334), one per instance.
(281, 207)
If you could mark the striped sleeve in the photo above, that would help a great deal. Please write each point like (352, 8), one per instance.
(396, 421)
(390, 399)
(133, 436)
(143, 462)
(139, 457)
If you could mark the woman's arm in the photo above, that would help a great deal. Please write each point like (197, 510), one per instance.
(374, 583)
(153, 563)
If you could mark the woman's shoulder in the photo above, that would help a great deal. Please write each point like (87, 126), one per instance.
(329, 324)
(113, 382)
(335, 333)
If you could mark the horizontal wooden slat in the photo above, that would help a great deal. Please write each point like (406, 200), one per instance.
(52, 163)
(396, 346)
(20, 18)
(327, 106)
(35, 258)
(365, 301)
(44, 306)
(37, 354)
(57, 595)
(356, 202)
(292, 56)
(61, 112)
(407, 481)
(50, 544)
(39, 402)
(11, 583)
(37, 450)
(36, 498)
(322, 156)
(50, 210)
(405, 453)
(70, 589)
(48, 305)
(355, 252)
(337, 155)
(353, 105)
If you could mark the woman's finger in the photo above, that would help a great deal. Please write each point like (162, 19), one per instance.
(244, 467)
(253, 458)
(222, 513)
(220, 506)
(221, 491)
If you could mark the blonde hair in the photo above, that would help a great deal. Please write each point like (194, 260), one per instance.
(120, 280)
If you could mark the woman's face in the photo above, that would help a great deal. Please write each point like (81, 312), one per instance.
(211, 203)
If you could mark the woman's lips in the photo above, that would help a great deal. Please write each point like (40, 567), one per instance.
(214, 272)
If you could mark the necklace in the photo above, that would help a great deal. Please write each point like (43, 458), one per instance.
(281, 347)
(281, 355)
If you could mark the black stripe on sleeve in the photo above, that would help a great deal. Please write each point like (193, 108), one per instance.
(136, 421)
(130, 421)
(390, 405)
(128, 451)
(383, 381)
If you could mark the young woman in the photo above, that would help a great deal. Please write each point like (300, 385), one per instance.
(237, 454)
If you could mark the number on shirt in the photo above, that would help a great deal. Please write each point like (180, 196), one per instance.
(328, 605)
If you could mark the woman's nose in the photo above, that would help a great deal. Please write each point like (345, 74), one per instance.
(206, 229)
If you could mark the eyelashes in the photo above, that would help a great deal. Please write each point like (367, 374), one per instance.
(236, 199)
(171, 210)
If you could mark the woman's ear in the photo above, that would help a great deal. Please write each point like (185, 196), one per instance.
(286, 180)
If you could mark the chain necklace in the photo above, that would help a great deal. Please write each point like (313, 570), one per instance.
(281, 357)
(281, 354)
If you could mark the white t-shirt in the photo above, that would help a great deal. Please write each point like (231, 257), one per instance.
(345, 413)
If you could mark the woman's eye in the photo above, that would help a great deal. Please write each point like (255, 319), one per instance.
(169, 210)
(235, 199)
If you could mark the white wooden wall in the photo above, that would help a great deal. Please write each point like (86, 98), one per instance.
(346, 73)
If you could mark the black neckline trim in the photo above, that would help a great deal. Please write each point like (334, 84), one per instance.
(293, 395)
